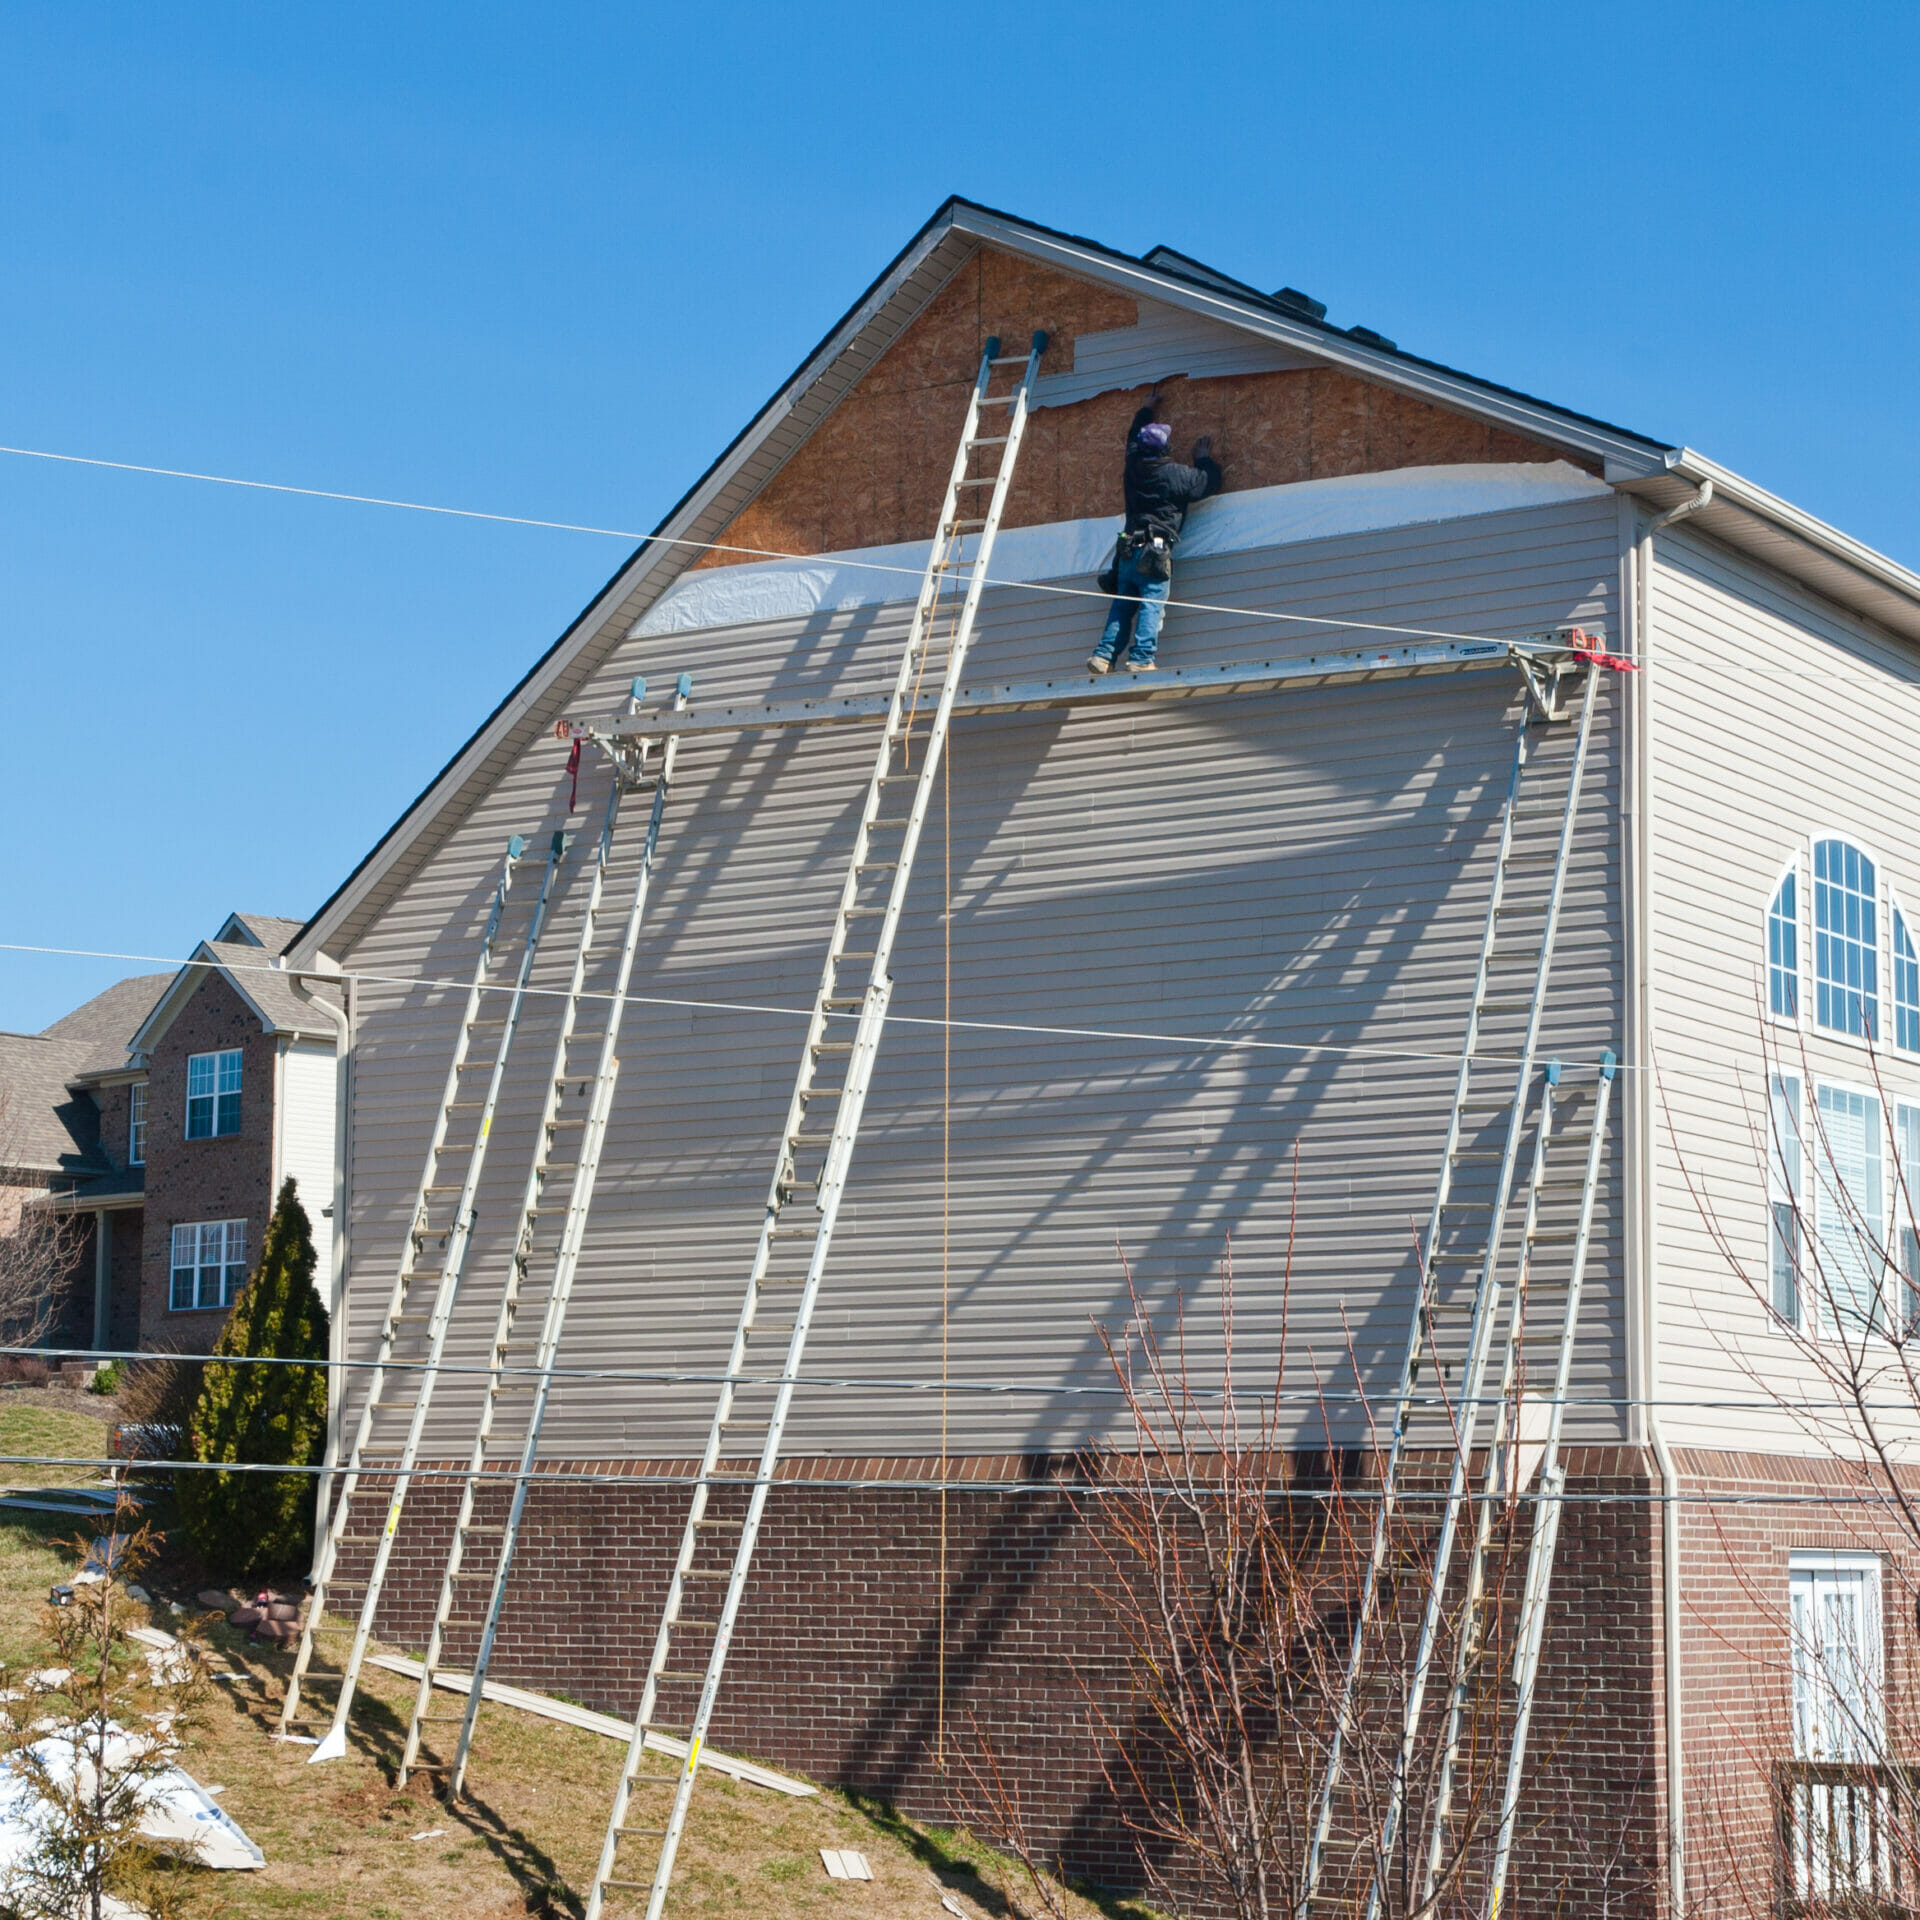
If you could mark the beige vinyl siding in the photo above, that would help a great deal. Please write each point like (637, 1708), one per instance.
(307, 1094)
(1304, 870)
(1775, 716)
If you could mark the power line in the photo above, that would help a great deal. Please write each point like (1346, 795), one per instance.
(721, 546)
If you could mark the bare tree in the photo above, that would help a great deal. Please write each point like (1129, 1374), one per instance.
(1814, 1785)
(1233, 1562)
(42, 1239)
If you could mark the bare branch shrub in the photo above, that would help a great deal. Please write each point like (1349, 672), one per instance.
(41, 1241)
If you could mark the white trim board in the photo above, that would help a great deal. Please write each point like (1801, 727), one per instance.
(1240, 522)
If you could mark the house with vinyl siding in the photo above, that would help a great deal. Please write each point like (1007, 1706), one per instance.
(1184, 982)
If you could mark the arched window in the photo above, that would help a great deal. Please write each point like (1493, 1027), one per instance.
(1846, 973)
(1783, 948)
(1906, 987)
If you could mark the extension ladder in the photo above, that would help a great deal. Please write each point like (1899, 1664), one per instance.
(1506, 1471)
(443, 1211)
(1464, 1228)
(583, 1125)
(1546, 1517)
(854, 983)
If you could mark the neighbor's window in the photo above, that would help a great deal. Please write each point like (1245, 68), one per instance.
(1783, 1198)
(1906, 987)
(1851, 1206)
(1846, 979)
(209, 1264)
(213, 1094)
(137, 1124)
(1783, 949)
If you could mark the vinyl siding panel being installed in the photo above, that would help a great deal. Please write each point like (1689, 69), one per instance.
(1775, 717)
(307, 1092)
(1303, 874)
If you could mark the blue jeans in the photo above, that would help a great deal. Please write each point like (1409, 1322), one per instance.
(1145, 616)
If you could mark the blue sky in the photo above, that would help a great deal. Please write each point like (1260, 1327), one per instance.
(547, 260)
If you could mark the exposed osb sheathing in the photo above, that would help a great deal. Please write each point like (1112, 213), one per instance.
(875, 469)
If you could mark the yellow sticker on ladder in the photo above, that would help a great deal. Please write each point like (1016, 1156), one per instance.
(486, 1126)
(693, 1755)
(393, 1519)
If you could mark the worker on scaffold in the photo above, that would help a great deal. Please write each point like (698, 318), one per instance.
(1158, 491)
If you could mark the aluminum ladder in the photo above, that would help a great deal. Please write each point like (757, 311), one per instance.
(853, 984)
(1505, 1470)
(442, 1213)
(1546, 1517)
(1464, 1228)
(581, 1123)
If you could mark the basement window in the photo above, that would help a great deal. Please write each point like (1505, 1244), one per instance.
(1846, 975)
(209, 1264)
(213, 1094)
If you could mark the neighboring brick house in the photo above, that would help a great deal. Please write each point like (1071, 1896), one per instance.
(177, 1104)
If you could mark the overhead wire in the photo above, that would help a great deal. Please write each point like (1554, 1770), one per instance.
(721, 546)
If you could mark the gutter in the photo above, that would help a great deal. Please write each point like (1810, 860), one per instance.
(342, 1019)
(1674, 1721)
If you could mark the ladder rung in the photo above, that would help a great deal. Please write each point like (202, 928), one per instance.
(962, 526)
(1009, 360)
(994, 440)
(996, 399)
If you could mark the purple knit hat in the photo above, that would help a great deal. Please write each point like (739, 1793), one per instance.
(1154, 436)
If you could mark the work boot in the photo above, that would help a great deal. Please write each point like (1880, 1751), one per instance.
(1143, 666)
(1099, 663)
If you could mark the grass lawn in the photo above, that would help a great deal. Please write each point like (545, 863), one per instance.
(68, 1430)
(341, 1842)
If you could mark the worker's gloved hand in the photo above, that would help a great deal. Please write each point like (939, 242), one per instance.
(1202, 448)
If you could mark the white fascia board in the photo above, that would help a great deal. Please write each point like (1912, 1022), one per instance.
(654, 556)
(1730, 488)
(1455, 391)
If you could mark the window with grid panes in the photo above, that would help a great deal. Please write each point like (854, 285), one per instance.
(1906, 987)
(213, 1094)
(1846, 961)
(209, 1264)
(137, 1124)
(1850, 1224)
(1783, 1199)
(1783, 949)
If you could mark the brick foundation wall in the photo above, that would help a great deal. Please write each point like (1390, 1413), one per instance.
(836, 1665)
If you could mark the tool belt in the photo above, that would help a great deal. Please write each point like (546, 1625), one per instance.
(1150, 552)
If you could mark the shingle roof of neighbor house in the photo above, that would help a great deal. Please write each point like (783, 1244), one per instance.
(45, 1129)
(104, 1024)
(1742, 514)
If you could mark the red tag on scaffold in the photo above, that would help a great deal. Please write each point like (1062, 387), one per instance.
(1589, 645)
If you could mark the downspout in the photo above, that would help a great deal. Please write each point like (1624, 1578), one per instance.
(1662, 1453)
(342, 1018)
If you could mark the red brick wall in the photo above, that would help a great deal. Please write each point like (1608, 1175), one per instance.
(1742, 1516)
(229, 1178)
(835, 1666)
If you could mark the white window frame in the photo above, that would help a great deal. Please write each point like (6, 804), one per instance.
(136, 1123)
(217, 1093)
(1815, 1135)
(192, 1244)
(1786, 1184)
(1882, 921)
(1897, 911)
(1792, 869)
(1827, 1724)
(1903, 1236)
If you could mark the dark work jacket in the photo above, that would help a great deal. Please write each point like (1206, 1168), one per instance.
(1159, 490)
